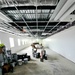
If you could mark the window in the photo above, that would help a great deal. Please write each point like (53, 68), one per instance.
(0, 41)
(22, 42)
(26, 41)
(19, 42)
(11, 40)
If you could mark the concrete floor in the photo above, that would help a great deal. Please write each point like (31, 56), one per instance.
(55, 65)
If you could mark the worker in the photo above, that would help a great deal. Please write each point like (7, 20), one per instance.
(34, 50)
(44, 55)
(41, 46)
(41, 55)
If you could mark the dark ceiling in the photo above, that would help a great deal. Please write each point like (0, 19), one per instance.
(35, 19)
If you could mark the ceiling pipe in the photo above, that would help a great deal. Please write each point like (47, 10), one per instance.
(4, 18)
(71, 9)
(64, 9)
(58, 8)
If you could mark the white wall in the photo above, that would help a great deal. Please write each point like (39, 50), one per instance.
(63, 43)
(4, 38)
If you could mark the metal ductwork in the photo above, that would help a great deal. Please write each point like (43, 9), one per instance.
(66, 6)
(58, 8)
(70, 10)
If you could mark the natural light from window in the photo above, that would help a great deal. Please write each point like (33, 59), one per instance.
(0, 41)
(22, 42)
(19, 42)
(11, 40)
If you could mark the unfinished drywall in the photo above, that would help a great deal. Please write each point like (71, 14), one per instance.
(63, 43)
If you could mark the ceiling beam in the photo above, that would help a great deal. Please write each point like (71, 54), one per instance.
(65, 7)
(58, 8)
(36, 18)
(23, 19)
(11, 20)
(54, 26)
(29, 7)
(70, 10)
(35, 21)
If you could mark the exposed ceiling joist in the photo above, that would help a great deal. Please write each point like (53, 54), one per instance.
(34, 18)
